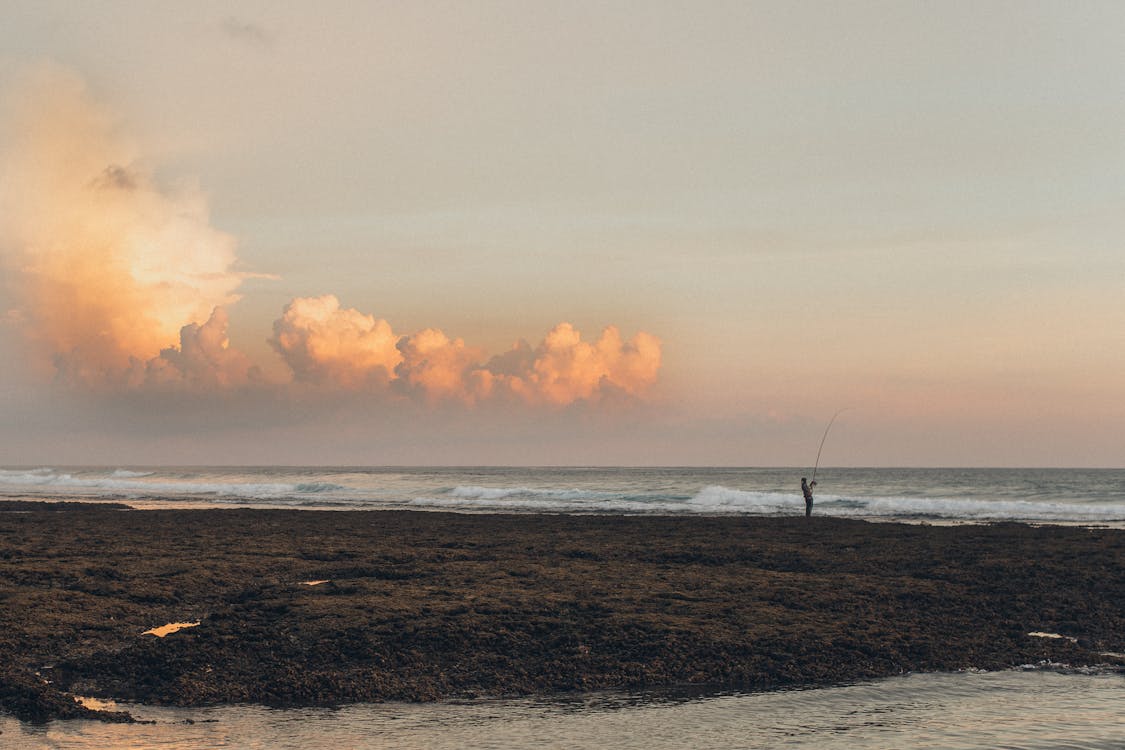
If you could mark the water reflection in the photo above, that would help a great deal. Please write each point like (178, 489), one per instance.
(971, 711)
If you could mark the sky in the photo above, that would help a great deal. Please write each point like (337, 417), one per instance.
(562, 233)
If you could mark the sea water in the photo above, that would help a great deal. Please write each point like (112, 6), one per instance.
(1016, 709)
(1085, 496)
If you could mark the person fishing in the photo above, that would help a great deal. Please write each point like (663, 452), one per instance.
(806, 486)
(806, 490)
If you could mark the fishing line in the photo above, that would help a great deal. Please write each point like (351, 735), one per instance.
(825, 437)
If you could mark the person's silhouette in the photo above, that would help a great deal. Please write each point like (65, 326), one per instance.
(806, 490)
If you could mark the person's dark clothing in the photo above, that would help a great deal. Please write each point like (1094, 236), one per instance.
(807, 491)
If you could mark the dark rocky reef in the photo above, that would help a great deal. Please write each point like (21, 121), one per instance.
(425, 606)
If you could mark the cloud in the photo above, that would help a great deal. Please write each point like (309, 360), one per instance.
(338, 348)
(122, 284)
(441, 368)
(203, 361)
(564, 368)
(325, 344)
(105, 265)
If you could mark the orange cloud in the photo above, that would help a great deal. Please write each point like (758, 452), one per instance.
(203, 361)
(323, 343)
(566, 369)
(106, 265)
(113, 273)
(344, 348)
(440, 367)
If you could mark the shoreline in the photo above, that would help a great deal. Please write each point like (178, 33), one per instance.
(27, 503)
(427, 605)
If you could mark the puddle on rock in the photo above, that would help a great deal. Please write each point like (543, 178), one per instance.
(171, 627)
(96, 704)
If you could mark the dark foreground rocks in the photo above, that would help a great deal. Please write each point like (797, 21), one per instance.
(423, 606)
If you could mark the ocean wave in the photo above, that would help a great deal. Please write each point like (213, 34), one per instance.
(284, 501)
(25, 476)
(983, 510)
(317, 487)
(501, 493)
(496, 503)
(720, 500)
(543, 500)
(126, 474)
(724, 499)
(139, 484)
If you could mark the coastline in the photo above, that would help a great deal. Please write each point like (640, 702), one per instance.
(428, 605)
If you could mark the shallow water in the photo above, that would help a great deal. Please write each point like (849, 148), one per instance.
(1033, 709)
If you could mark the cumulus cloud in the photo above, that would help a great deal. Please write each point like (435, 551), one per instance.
(335, 347)
(123, 284)
(105, 264)
(204, 360)
(564, 368)
(323, 343)
(440, 367)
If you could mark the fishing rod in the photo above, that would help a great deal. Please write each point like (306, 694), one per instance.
(825, 437)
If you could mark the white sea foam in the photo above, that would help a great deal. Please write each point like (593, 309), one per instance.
(501, 493)
(138, 484)
(720, 500)
(569, 500)
(501, 503)
(25, 476)
(970, 509)
(725, 499)
(315, 487)
(542, 500)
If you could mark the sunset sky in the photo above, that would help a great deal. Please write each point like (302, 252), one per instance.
(562, 233)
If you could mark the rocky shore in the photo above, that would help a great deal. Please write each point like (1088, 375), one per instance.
(322, 608)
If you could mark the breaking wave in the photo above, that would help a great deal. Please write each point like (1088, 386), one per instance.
(720, 500)
(122, 483)
(502, 493)
(730, 500)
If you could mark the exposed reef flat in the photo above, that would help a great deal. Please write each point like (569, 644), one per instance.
(425, 606)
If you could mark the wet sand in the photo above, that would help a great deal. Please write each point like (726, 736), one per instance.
(424, 606)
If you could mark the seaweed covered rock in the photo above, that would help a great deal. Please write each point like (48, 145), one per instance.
(323, 608)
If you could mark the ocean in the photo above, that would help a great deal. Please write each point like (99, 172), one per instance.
(1081, 496)
(1038, 707)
